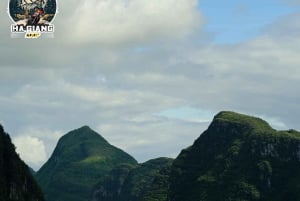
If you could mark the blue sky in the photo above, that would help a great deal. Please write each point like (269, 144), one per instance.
(188, 114)
(234, 21)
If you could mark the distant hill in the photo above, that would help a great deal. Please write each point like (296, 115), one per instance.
(238, 158)
(81, 158)
(16, 181)
(146, 182)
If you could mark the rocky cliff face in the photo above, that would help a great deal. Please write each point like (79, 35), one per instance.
(16, 181)
(238, 158)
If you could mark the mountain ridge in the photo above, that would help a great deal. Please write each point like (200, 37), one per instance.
(238, 157)
(147, 181)
(81, 157)
(16, 181)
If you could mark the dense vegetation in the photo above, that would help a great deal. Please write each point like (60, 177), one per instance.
(146, 182)
(16, 181)
(81, 158)
(158, 190)
(238, 158)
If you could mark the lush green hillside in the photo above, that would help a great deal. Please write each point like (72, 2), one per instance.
(238, 158)
(146, 182)
(109, 187)
(16, 181)
(158, 190)
(142, 179)
(81, 158)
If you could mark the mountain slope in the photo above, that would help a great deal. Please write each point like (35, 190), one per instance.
(80, 159)
(238, 158)
(146, 182)
(142, 181)
(158, 190)
(16, 181)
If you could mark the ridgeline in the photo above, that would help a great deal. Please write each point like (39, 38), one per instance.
(16, 180)
(238, 158)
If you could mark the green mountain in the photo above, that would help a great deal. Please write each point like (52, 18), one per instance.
(81, 158)
(238, 158)
(146, 182)
(158, 190)
(142, 181)
(16, 181)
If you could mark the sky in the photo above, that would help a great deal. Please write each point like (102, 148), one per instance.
(149, 76)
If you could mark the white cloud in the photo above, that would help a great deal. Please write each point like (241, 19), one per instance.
(149, 136)
(31, 149)
(188, 114)
(113, 22)
(50, 137)
(119, 90)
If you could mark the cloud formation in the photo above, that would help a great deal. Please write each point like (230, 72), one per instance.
(133, 22)
(119, 85)
(31, 149)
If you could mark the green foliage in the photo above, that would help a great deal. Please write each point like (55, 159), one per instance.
(81, 158)
(141, 179)
(245, 120)
(265, 168)
(16, 181)
(110, 186)
(158, 190)
(238, 158)
(148, 181)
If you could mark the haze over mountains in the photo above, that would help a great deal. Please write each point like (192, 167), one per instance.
(238, 157)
